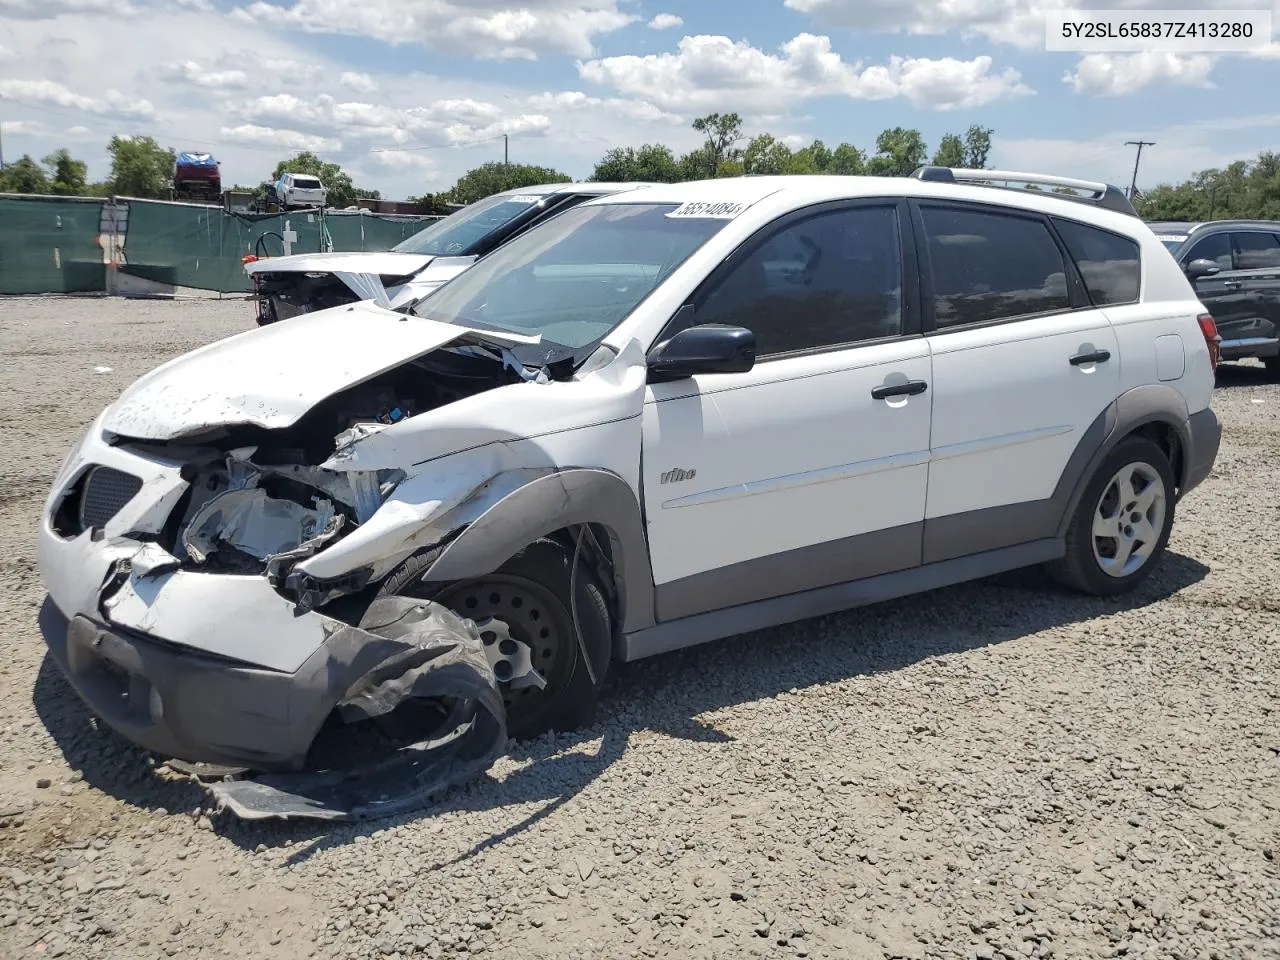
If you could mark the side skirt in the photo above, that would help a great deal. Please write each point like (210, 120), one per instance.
(717, 624)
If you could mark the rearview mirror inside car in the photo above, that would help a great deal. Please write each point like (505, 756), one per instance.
(710, 348)
(1197, 269)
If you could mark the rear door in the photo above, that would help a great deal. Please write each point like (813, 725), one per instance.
(1023, 364)
(1223, 293)
(1257, 261)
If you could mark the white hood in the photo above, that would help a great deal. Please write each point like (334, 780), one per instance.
(270, 376)
(384, 263)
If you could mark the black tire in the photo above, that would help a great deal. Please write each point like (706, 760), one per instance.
(1081, 569)
(1273, 366)
(530, 593)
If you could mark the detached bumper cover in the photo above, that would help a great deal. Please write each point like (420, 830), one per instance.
(180, 704)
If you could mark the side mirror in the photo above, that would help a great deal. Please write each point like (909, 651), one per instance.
(1198, 269)
(711, 348)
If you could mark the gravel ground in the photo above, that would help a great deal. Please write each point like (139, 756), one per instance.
(998, 769)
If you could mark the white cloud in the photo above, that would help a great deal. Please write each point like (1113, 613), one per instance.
(50, 9)
(1114, 75)
(485, 29)
(445, 122)
(665, 21)
(410, 160)
(188, 71)
(113, 102)
(714, 72)
(250, 133)
(640, 110)
(359, 82)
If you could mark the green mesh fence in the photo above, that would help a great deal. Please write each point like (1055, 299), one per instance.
(50, 245)
(184, 245)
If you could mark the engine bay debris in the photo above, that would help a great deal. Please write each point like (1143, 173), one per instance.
(438, 661)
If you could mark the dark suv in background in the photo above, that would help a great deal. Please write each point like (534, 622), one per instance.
(1234, 266)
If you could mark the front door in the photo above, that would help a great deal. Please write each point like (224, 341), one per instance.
(1020, 373)
(810, 469)
(1258, 271)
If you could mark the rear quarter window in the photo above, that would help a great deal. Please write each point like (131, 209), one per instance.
(1109, 263)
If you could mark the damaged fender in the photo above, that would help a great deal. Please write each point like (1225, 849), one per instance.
(428, 652)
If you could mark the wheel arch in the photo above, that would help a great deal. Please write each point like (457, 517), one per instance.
(555, 505)
(1156, 411)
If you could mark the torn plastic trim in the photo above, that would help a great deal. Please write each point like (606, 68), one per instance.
(436, 655)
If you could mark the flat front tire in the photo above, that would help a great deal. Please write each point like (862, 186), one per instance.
(529, 594)
(1122, 524)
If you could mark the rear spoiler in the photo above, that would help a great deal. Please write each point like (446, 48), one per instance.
(1099, 194)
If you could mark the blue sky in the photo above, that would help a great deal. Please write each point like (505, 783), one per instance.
(408, 94)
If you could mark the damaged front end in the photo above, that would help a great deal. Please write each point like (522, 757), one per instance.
(185, 611)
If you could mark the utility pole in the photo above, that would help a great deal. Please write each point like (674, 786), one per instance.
(1133, 184)
(1, 146)
(506, 155)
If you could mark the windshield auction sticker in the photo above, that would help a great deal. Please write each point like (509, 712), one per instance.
(1139, 31)
(722, 210)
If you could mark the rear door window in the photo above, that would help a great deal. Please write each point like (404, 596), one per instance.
(1257, 251)
(1108, 262)
(992, 266)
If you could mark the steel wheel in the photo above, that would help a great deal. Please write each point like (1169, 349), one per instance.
(532, 616)
(1128, 519)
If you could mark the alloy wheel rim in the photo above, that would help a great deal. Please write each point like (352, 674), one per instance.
(1128, 520)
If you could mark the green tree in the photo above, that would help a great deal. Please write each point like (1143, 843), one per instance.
(23, 176)
(950, 152)
(1246, 189)
(898, 152)
(723, 133)
(341, 192)
(494, 177)
(66, 174)
(847, 160)
(977, 147)
(140, 167)
(765, 155)
(651, 163)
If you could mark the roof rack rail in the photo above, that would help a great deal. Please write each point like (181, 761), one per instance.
(1100, 194)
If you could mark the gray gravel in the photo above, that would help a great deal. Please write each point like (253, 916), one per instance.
(995, 770)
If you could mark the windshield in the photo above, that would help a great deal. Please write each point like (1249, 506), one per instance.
(575, 277)
(457, 233)
(1172, 243)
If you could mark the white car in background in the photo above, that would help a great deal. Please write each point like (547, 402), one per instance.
(301, 190)
(287, 286)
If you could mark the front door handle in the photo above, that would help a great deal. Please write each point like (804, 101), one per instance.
(909, 389)
(1233, 284)
(1098, 356)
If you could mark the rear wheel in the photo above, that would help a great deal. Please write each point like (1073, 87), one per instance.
(1273, 365)
(524, 607)
(1122, 523)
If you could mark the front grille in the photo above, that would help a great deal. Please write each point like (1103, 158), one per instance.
(105, 493)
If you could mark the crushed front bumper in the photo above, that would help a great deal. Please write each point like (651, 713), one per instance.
(179, 703)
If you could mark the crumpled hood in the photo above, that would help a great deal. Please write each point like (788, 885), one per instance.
(385, 263)
(270, 376)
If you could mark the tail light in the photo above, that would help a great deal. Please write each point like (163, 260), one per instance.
(1211, 338)
(249, 258)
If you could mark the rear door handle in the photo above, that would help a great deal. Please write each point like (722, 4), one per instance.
(1098, 356)
(909, 389)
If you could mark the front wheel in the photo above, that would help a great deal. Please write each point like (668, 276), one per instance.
(526, 601)
(1122, 523)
